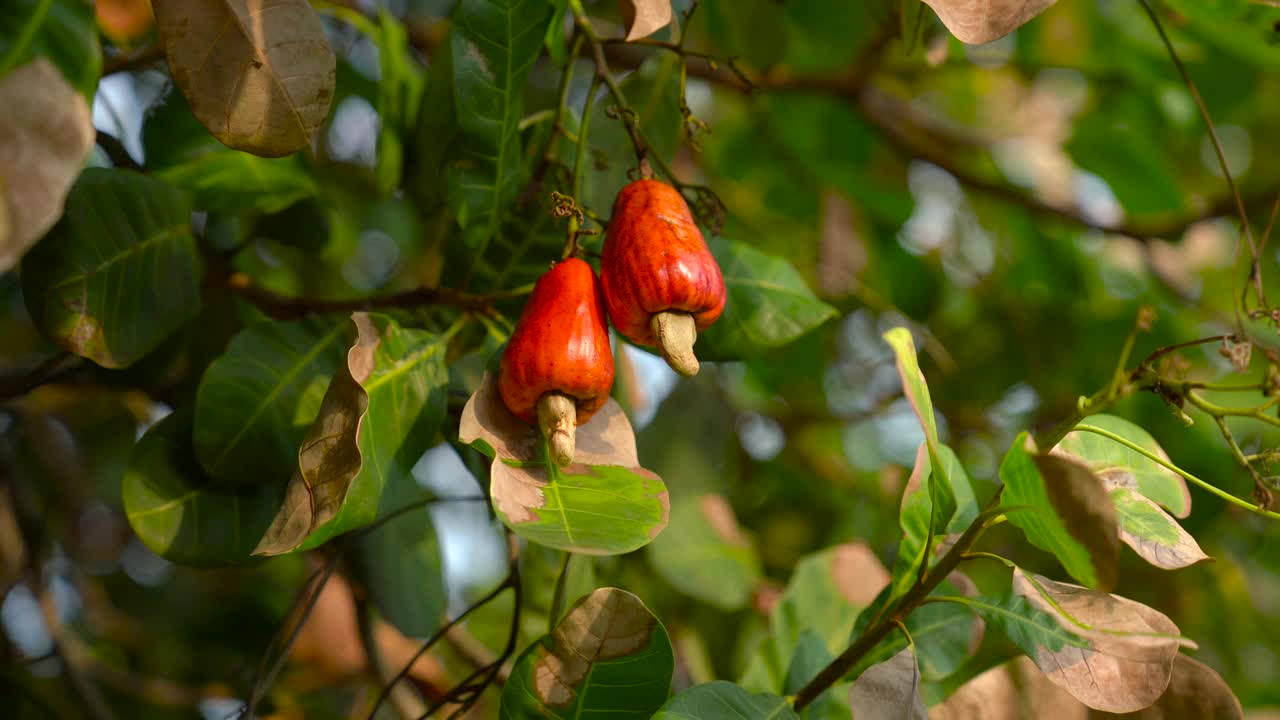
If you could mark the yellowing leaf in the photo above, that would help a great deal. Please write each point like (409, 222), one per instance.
(46, 132)
(644, 17)
(259, 74)
(981, 21)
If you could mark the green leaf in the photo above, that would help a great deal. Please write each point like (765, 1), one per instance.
(1135, 165)
(1156, 537)
(1122, 467)
(402, 565)
(916, 514)
(827, 591)
(703, 553)
(379, 414)
(256, 402)
(176, 510)
(493, 46)
(768, 304)
(608, 656)
(1030, 628)
(179, 150)
(1039, 516)
(603, 504)
(720, 699)
(941, 495)
(65, 31)
(120, 272)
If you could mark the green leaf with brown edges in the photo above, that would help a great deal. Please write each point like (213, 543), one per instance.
(1120, 466)
(602, 504)
(1068, 514)
(120, 272)
(380, 413)
(608, 656)
(1153, 535)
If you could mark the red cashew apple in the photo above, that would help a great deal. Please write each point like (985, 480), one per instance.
(557, 370)
(661, 283)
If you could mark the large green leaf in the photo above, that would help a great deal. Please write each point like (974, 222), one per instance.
(603, 504)
(493, 45)
(179, 149)
(720, 699)
(255, 403)
(1057, 516)
(402, 565)
(65, 31)
(179, 513)
(379, 415)
(120, 271)
(810, 657)
(609, 656)
(703, 553)
(768, 304)
(1123, 467)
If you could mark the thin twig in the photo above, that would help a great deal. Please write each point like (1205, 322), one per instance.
(286, 307)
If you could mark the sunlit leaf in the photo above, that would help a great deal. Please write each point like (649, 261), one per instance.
(1120, 466)
(379, 415)
(179, 514)
(703, 553)
(1056, 522)
(609, 655)
(46, 133)
(603, 504)
(981, 21)
(1127, 664)
(717, 699)
(120, 271)
(260, 76)
(256, 402)
(768, 304)
(889, 690)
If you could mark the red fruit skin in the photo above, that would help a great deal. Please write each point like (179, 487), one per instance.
(655, 259)
(560, 344)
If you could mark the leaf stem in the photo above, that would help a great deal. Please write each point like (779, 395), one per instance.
(896, 613)
(557, 598)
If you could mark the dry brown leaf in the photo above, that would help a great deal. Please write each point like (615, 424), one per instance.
(46, 132)
(841, 249)
(1013, 691)
(329, 459)
(259, 74)
(889, 690)
(643, 18)
(1195, 691)
(858, 573)
(981, 21)
(1131, 646)
(609, 623)
(1086, 511)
